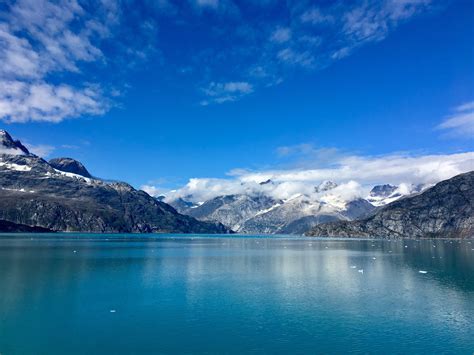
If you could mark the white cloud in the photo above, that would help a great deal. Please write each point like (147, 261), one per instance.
(152, 190)
(357, 174)
(40, 40)
(224, 92)
(311, 38)
(41, 150)
(315, 16)
(39, 101)
(461, 124)
(281, 35)
(208, 3)
(292, 57)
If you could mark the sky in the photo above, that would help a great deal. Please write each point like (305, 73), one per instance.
(202, 95)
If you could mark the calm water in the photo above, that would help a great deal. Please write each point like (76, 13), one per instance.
(89, 295)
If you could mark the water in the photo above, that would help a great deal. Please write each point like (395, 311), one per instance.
(90, 294)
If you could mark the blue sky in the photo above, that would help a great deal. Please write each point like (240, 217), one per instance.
(158, 92)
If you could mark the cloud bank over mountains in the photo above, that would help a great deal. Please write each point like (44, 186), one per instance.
(355, 176)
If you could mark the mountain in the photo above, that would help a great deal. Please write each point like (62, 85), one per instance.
(36, 193)
(444, 210)
(297, 215)
(231, 210)
(258, 213)
(382, 195)
(69, 165)
(10, 227)
(325, 186)
(10, 146)
(180, 205)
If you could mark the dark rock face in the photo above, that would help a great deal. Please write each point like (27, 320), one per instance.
(69, 165)
(7, 143)
(303, 224)
(383, 190)
(9, 227)
(33, 193)
(325, 186)
(358, 209)
(180, 205)
(443, 211)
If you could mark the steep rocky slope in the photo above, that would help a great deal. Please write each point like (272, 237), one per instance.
(445, 210)
(36, 193)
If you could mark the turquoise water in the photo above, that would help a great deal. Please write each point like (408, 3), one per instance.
(96, 294)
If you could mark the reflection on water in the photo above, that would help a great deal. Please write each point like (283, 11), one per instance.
(234, 294)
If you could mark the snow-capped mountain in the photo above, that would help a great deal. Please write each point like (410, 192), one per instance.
(69, 165)
(279, 217)
(11, 147)
(325, 186)
(62, 196)
(260, 213)
(230, 210)
(445, 210)
(382, 195)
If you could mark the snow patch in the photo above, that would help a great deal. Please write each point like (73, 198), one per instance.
(16, 167)
(18, 190)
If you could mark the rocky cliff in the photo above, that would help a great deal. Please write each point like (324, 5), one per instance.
(445, 210)
(36, 193)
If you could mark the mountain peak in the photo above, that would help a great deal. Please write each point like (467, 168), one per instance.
(324, 186)
(383, 190)
(69, 165)
(10, 146)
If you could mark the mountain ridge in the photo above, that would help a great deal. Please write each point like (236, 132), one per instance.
(34, 193)
(444, 210)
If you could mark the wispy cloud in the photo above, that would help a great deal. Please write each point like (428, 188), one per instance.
(311, 38)
(315, 16)
(61, 47)
(208, 3)
(281, 35)
(45, 47)
(461, 123)
(41, 150)
(224, 92)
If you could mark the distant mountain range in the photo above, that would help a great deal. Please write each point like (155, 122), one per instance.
(259, 213)
(61, 195)
(445, 210)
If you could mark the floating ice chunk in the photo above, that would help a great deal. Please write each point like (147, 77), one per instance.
(374, 258)
(75, 251)
(353, 266)
(406, 246)
(113, 311)
(361, 271)
(423, 272)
